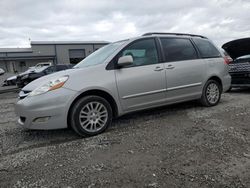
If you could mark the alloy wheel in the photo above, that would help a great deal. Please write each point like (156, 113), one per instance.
(93, 116)
(213, 93)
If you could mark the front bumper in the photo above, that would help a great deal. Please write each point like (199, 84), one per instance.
(51, 107)
(240, 79)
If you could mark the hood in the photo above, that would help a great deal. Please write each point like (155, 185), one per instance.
(237, 48)
(33, 70)
(11, 78)
(26, 72)
(43, 80)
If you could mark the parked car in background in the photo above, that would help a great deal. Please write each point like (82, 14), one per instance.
(12, 80)
(239, 68)
(152, 70)
(39, 65)
(240, 72)
(27, 77)
(2, 71)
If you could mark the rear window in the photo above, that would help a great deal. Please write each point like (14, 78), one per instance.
(243, 59)
(206, 48)
(177, 49)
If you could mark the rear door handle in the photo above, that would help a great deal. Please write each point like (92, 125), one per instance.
(170, 67)
(158, 68)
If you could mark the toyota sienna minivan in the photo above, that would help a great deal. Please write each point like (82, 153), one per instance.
(152, 70)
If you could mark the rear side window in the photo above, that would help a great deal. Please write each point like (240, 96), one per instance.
(206, 48)
(178, 49)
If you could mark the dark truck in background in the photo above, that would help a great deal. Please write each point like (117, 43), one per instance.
(27, 77)
(240, 72)
(239, 69)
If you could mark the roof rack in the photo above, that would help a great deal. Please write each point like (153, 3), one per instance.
(179, 34)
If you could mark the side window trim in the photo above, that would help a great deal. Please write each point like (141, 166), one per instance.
(160, 50)
(196, 49)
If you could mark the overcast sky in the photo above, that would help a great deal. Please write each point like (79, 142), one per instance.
(111, 20)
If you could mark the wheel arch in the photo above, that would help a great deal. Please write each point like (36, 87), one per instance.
(217, 78)
(96, 92)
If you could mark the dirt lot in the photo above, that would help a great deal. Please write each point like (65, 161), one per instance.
(183, 145)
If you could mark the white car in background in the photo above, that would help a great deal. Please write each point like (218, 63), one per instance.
(2, 71)
(39, 65)
(12, 80)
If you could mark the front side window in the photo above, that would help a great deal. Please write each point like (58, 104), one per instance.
(206, 48)
(144, 52)
(178, 49)
(49, 70)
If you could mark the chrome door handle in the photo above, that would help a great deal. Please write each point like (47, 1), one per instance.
(170, 67)
(158, 68)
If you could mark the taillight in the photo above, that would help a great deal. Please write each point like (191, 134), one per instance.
(226, 60)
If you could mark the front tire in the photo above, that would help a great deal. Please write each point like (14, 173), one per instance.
(90, 115)
(211, 93)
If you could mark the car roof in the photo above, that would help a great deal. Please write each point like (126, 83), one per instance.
(159, 34)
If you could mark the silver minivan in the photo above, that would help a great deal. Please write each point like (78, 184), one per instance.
(152, 70)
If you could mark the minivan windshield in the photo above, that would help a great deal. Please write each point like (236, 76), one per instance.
(100, 55)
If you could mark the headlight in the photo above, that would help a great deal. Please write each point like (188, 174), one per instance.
(51, 85)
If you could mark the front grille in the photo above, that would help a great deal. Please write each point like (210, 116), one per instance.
(239, 67)
(241, 78)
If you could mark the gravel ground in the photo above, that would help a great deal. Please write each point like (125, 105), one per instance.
(182, 145)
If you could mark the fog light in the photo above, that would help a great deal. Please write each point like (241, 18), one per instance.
(41, 119)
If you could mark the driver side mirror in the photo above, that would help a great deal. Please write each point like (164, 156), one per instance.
(125, 61)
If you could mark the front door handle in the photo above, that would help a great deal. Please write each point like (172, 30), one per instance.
(170, 67)
(158, 68)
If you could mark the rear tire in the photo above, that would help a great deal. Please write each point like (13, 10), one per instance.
(211, 93)
(90, 115)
